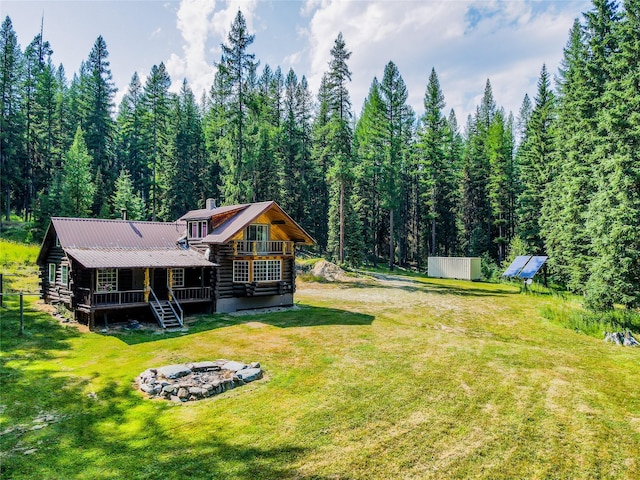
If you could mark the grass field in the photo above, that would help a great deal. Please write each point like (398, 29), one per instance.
(405, 378)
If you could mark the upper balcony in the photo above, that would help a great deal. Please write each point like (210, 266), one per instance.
(259, 248)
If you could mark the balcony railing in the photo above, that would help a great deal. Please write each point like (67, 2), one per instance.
(262, 247)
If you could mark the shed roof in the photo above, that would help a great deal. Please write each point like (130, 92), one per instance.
(126, 258)
(99, 243)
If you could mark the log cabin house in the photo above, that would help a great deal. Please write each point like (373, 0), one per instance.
(221, 260)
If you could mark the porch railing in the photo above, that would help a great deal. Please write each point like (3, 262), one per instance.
(118, 297)
(192, 293)
(137, 296)
(263, 247)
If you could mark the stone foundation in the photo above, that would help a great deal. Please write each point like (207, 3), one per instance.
(194, 381)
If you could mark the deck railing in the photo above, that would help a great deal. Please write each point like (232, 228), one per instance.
(263, 247)
(118, 297)
(192, 293)
(137, 296)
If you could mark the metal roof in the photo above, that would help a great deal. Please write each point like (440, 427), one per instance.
(125, 258)
(204, 213)
(99, 233)
(247, 213)
(99, 243)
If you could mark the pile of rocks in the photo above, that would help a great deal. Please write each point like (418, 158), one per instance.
(195, 381)
(621, 338)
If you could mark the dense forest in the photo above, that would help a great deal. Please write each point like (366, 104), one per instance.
(383, 185)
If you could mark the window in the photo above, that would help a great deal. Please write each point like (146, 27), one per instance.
(52, 273)
(241, 271)
(257, 232)
(64, 274)
(177, 275)
(57, 241)
(198, 229)
(266, 270)
(106, 279)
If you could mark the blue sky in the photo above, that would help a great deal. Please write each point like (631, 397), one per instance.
(465, 41)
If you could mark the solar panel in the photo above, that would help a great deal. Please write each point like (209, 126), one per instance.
(516, 266)
(532, 267)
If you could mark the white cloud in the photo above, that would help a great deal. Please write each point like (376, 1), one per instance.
(466, 41)
(200, 24)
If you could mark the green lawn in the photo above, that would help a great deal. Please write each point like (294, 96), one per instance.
(409, 379)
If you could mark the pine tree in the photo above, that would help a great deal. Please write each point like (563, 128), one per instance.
(130, 140)
(536, 165)
(96, 93)
(370, 138)
(614, 219)
(77, 188)
(319, 191)
(434, 175)
(339, 143)
(501, 179)
(234, 68)
(187, 185)
(126, 199)
(475, 208)
(564, 211)
(11, 119)
(398, 118)
(157, 127)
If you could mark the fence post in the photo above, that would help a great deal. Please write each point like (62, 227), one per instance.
(21, 314)
(1, 292)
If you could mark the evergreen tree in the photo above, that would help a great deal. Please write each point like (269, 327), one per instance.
(234, 68)
(614, 219)
(370, 137)
(187, 185)
(11, 118)
(96, 93)
(77, 188)
(131, 138)
(475, 208)
(319, 191)
(340, 174)
(126, 199)
(157, 127)
(433, 172)
(536, 165)
(564, 211)
(501, 180)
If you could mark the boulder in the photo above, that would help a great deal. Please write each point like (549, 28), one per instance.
(234, 366)
(204, 366)
(146, 388)
(183, 393)
(174, 371)
(249, 374)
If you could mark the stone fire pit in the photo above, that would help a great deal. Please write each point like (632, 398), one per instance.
(194, 381)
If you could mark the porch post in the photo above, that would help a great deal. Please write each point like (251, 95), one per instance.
(147, 285)
(170, 283)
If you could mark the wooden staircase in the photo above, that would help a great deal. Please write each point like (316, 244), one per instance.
(165, 313)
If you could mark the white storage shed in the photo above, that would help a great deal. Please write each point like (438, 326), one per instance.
(462, 268)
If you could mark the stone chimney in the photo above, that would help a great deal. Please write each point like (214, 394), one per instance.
(211, 204)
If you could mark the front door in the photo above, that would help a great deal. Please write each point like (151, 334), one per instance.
(159, 283)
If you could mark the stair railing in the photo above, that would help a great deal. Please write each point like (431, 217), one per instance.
(160, 313)
(172, 298)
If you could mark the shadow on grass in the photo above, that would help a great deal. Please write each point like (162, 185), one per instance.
(303, 316)
(100, 436)
(52, 427)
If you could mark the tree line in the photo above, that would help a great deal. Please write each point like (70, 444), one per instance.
(387, 185)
